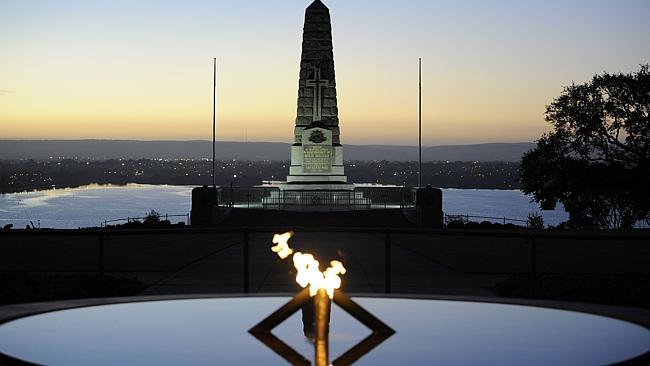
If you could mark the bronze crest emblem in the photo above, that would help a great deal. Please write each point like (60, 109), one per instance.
(317, 137)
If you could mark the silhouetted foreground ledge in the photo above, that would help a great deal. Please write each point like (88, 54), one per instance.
(601, 266)
(266, 218)
(21, 287)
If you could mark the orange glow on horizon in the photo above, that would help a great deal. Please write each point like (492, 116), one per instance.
(92, 70)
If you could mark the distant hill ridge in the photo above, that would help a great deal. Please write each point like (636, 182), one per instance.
(127, 149)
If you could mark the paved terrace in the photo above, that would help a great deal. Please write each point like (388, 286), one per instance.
(447, 262)
(362, 254)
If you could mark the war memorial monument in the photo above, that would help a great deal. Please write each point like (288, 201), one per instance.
(316, 179)
(317, 153)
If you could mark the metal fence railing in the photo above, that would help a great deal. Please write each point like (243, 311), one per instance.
(361, 198)
(249, 197)
(165, 217)
(465, 219)
(388, 197)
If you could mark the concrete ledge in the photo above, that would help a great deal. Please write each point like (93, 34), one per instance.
(636, 235)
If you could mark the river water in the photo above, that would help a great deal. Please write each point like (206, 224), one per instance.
(90, 205)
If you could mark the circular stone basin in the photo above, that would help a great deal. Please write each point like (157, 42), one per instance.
(214, 331)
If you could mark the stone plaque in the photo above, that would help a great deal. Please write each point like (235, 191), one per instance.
(317, 159)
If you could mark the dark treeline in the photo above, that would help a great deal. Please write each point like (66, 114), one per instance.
(25, 175)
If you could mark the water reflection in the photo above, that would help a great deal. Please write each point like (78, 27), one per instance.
(89, 205)
(214, 331)
(308, 321)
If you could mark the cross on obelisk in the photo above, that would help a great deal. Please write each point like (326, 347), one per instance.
(317, 83)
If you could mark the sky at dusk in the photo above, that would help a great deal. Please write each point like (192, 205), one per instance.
(123, 69)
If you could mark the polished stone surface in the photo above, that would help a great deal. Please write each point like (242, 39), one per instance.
(214, 331)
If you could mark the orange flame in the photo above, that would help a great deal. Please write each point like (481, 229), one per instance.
(282, 247)
(308, 268)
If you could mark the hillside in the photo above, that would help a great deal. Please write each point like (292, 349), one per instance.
(116, 149)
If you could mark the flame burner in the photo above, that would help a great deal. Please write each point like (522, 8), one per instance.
(322, 306)
(322, 303)
(322, 288)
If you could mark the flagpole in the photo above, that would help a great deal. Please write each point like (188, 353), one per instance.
(420, 122)
(214, 119)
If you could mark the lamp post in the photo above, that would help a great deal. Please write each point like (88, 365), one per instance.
(214, 118)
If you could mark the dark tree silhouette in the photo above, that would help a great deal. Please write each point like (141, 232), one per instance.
(152, 218)
(596, 160)
(535, 221)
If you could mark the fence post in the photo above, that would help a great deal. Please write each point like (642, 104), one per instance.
(100, 254)
(245, 258)
(533, 266)
(387, 263)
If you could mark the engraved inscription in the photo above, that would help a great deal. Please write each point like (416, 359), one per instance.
(317, 159)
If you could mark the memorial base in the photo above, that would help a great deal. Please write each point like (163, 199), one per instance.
(316, 186)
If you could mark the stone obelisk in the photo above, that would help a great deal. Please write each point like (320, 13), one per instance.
(317, 154)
